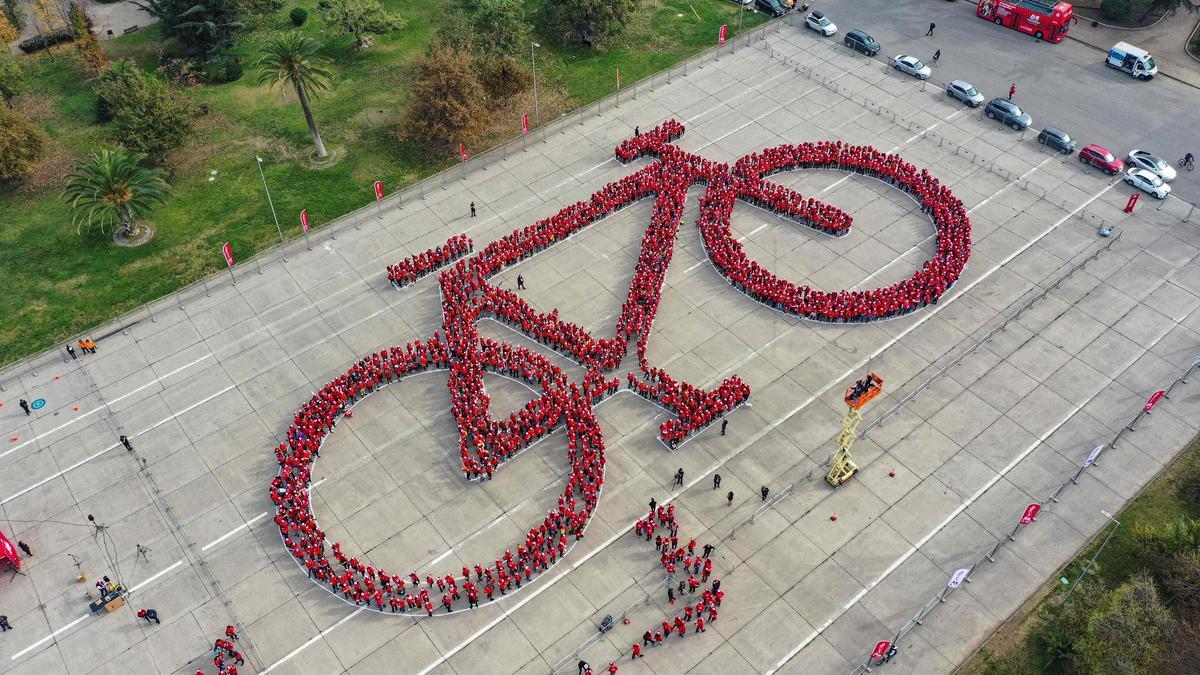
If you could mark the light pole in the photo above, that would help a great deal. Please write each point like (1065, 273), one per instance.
(537, 116)
(1095, 555)
(272, 205)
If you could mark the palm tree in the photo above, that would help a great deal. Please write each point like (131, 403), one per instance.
(112, 188)
(292, 58)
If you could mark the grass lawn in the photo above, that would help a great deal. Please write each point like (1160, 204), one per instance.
(54, 284)
(1163, 500)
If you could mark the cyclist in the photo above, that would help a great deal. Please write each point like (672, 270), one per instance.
(1188, 159)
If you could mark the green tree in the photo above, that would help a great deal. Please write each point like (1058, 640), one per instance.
(594, 20)
(292, 58)
(22, 144)
(503, 76)
(359, 19)
(454, 32)
(8, 32)
(501, 24)
(111, 189)
(1127, 631)
(150, 117)
(447, 104)
(201, 29)
(12, 77)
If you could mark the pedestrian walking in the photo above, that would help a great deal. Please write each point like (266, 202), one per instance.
(1012, 90)
(729, 498)
(652, 504)
(724, 423)
(25, 548)
(716, 481)
(679, 477)
(937, 57)
(612, 668)
(637, 132)
(71, 352)
(637, 649)
(584, 667)
(231, 632)
(520, 283)
(472, 209)
(647, 638)
(929, 33)
(125, 442)
(149, 615)
(764, 490)
(4, 624)
(708, 549)
(670, 595)
(24, 406)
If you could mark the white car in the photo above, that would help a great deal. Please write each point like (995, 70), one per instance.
(819, 22)
(743, 3)
(1143, 159)
(1147, 182)
(913, 66)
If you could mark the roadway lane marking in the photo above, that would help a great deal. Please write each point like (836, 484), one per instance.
(156, 577)
(99, 408)
(764, 431)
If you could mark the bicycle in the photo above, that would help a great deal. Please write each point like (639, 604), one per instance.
(1189, 164)
(469, 294)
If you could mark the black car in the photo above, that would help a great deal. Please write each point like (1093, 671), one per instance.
(772, 7)
(1057, 139)
(861, 42)
(1008, 113)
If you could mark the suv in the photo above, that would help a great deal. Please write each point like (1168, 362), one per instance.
(1101, 158)
(861, 42)
(1058, 140)
(965, 92)
(820, 23)
(1008, 113)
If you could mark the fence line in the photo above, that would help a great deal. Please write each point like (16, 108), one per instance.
(964, 575)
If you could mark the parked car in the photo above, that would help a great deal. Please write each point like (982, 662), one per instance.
(861, 42)
(819, 22)
(965, 92)
(1151, 162)
(911, 65)
(772, 7)
(743, 3)
(1057, 139)
(1008, 113)
(1147, 182)
(1099, 157)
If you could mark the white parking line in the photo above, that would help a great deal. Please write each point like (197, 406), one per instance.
(239, 528)
(156, 577)
(102, 407)
(46, 639)
(765, 430)
(313, 640)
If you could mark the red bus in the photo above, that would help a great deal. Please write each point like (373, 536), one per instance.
(1047, 21)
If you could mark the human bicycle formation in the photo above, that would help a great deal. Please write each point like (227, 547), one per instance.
(485, 442)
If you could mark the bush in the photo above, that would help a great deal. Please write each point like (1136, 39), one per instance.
(21, 145)
(224, 70)
(323, 5)
(46, 40)
(299, 15)
(1116, 10)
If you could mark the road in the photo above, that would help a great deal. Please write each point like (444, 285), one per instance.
(1065, 85)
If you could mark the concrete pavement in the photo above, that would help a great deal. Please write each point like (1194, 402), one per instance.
(207, 388)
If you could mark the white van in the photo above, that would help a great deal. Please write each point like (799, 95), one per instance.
(1133, 60)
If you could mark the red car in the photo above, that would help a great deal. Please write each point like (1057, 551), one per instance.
(1102, 159)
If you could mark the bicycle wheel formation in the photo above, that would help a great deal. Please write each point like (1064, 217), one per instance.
(486, 442)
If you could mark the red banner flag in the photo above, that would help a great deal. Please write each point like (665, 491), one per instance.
(1030, 514)
(227, 251)
(721, 35)
(525, 123)
(1154, 399)
(304, 219)
(378, 190)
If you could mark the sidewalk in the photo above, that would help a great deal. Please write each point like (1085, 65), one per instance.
(1166, 40)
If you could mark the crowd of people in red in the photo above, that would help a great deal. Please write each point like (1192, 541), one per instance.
(485, 441)
(411, 269)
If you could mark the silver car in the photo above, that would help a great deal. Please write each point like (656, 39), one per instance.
(1142, 159)
(965, 92)
(912, 65)
(1148, 182)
